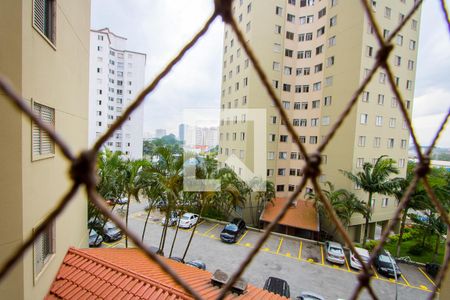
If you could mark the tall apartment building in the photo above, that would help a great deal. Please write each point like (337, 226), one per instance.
(196, 136)
(315, 54)
(44, 54)
(116, 75)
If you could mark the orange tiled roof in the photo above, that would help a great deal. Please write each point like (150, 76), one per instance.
(303, 215)
(129, 274)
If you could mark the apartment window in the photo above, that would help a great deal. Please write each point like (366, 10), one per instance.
(397, 60)
(333, 21)
(363, 119)
(384, 202)
(294, 155)
(44, 248)
(410, 65)
(283, 138)
(318, 68)
(286, 87)
(330, 61)
(319, 49)
(302, 139)
(278, 11)
(386, 33)
(42, 144)
(392, 122)
(301, 37)
(286, 104)
(269, 172)
(412, 45)
(359, 162)
(394, 102)
(390, 143)
(322, 12)
(361, 141)
(320, 31)
(288, 52)
(280, 187)
(380, 99)
(317, 86)
(282, 172)
(270, 155)
(399, 40)
(289, 35)
(292, 2)
(248, 27)
(327, 101)
(377, 142)
(272, 137)
(277, 29)
(329, 81)
(273, 119)
(333, 3)
(44, 18)
(290, 18)
(332, 41)
(401, 17)
(313, 139)
(382, 78)
(282, 155)
(309, 36)
(387, 12)
(325, 120)
(244, 100)
(275, 84)
(287, 71)
(242, 136)
(314, 122)
(369, 51)
(403, 144)
(409, 84)
(245, 81)
(379, 120)
(316, 104)
(414, 25)
(365, 96)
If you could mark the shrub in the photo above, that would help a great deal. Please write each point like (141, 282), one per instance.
(394, 238)
(407, 236)
(416, 249)
(371, 244)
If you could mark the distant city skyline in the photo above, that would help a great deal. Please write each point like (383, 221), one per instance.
(195, 82)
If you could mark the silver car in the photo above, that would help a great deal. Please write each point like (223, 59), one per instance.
(354, 262)
(334, 253)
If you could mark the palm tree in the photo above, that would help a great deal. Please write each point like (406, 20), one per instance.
(344, 203)
(135, 180)
(265, 193)
(375, 179)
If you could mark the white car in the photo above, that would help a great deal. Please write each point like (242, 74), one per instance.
(334, 253)
(354, 262)
(188, 220)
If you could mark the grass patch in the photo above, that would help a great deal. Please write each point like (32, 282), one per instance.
(425, 257)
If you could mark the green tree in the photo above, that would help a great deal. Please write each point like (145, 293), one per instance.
(375, 179)
(265, 192)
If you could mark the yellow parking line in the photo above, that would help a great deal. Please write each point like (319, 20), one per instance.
(407, 283)
(321, 251)
(209, 230)
(279, 246)
(242, 237)
(425, 274)
(300, 250)
(346, 262)
(375, 272)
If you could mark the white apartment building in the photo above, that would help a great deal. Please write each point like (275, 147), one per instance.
(116, 75)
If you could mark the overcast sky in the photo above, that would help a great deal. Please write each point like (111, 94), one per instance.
(160, 28)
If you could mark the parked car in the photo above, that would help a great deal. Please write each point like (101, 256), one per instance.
(385, 264)
(233, 230)
(173, 219)
(354, 262)
(277, 286)
(309, 296)
(95, 239)
(334, 252)
(111, 232)
(178, 259)
(161, 204)
(122, 201)
(432, 269)
(197, 263)
(188, 220)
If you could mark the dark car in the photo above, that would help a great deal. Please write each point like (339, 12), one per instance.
(111, 232)
(385, 264)
(233, 230)
(277, 286)
(197, 263)
(95, 239)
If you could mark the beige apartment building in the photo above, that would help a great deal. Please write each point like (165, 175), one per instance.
(44, 53)
(316, 54)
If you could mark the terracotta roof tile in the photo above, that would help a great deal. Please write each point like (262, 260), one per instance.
(129, 274)
(303, 215)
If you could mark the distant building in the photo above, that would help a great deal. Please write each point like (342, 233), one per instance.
(116, 76)
(159, 133)
(203, 138)
(43, 54)
(181, 132)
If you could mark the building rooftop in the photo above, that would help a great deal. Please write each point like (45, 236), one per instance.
(302, 215)
(129, 274)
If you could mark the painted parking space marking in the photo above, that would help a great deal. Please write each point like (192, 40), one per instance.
(375, 272)
(321, 252)
(242, 237)
(406, 281)
(279, 245)
(209, 230)
(300, 248)
(346, 263)
(426, 276)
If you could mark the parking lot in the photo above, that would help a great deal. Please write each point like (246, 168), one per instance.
(300, 262)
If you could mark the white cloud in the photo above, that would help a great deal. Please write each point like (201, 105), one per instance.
(432, 102)
(426, 127)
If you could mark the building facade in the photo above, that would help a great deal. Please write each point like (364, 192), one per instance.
(116, 75)
(316, 54)
(45, 56)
